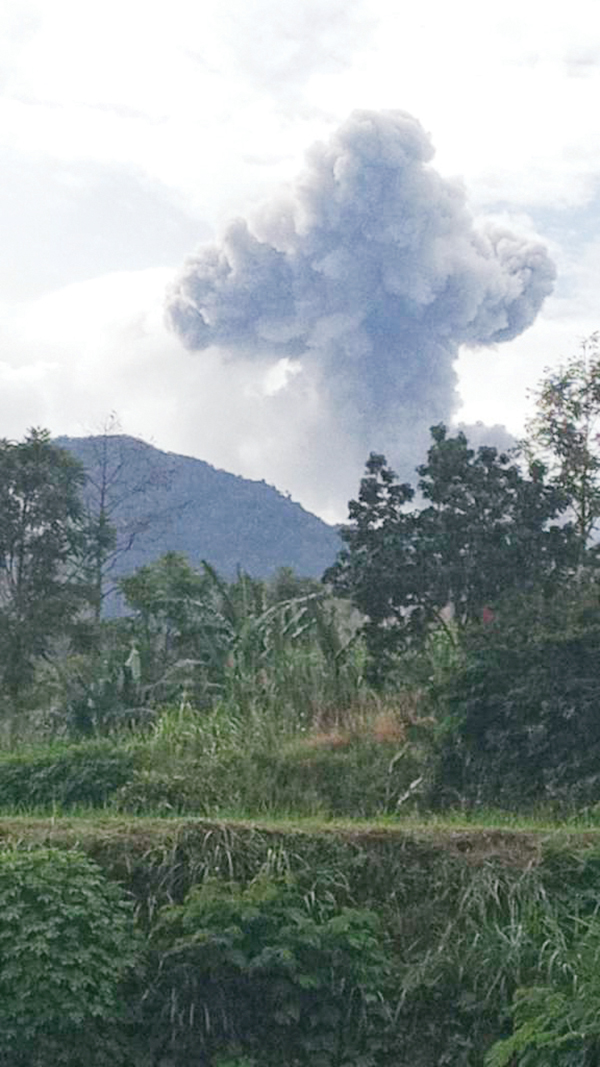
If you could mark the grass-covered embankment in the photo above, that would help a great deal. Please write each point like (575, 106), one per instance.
(207, 764)
(466, 913)
(299, 874)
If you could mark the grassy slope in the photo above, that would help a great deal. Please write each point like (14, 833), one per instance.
(477, 840)
(472, 910)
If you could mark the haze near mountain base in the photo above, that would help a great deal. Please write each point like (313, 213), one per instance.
(366, 275)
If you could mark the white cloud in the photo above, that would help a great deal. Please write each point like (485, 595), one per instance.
(70, 358)
(121, 121)
(501, 391)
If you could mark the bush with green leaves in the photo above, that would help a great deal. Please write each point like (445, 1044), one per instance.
(260, 973)
(557, 1024)
(459, 938)
(162, 793)
(462, 921)
(66, 941)
(519, 717)
(64, 775)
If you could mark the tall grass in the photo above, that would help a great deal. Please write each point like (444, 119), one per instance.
(464, 934)
(261, 761)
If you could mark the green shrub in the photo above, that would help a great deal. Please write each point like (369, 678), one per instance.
(64, 775)
(66, 940)
(163, 793)
(557, 1024)
(521, 723)
(257, 972)
(469, 916)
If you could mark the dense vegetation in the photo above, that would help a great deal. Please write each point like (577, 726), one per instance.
(234, 820)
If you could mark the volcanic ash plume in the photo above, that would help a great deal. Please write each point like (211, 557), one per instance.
(370, 272)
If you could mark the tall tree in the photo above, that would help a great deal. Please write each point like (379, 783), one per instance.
(483, 529)
(42, 545)
(120, 505)
(564, 433)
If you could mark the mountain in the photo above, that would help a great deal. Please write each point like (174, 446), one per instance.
(159, 502)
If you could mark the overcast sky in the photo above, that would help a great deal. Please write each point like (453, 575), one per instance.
(134, 134)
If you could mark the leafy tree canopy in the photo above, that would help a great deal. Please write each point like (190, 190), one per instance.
(41, 548)
(482, 528)
(564, 434)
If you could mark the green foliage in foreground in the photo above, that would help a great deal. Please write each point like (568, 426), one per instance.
(356, 948)
(520, 714)
(261, 972)
(66, 939)
(429, 938)
(428, 947)
(558, 1025)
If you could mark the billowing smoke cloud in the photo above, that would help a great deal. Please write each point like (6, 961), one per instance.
(370, 272)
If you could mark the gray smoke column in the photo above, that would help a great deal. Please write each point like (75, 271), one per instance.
(371, 272)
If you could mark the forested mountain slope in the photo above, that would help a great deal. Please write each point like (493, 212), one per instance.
(161, 502)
